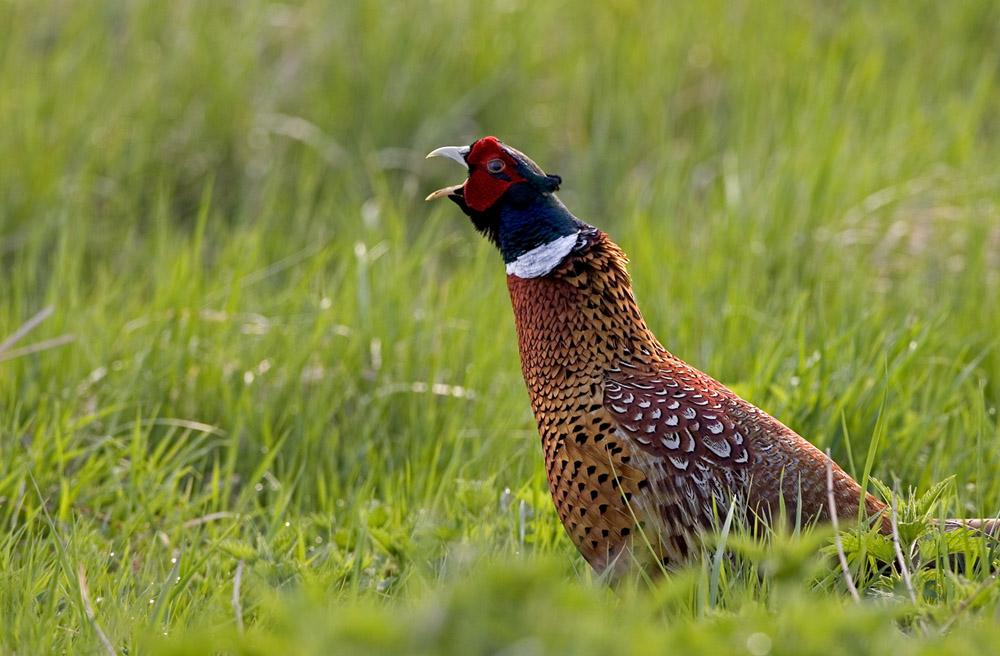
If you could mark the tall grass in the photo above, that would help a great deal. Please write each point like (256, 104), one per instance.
(270, 351)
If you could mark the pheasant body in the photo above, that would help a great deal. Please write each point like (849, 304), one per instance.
(643, 452)
(638, 444)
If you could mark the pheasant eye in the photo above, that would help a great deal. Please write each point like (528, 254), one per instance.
(495, 165)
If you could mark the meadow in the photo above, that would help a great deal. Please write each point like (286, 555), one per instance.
(270, 401)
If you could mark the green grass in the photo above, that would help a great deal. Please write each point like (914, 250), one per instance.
(285, 364)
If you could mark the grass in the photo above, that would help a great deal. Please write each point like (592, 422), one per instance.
(273, 358)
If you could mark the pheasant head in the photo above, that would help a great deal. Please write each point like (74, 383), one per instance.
(512, 201)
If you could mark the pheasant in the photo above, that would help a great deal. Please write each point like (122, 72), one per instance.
(642, 451)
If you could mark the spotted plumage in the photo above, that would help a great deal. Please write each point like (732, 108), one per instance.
(643, 452)
(634, 433)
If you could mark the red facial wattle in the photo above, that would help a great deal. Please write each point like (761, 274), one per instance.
(484, 188)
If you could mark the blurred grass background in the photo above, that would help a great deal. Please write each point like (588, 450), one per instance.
(285, 364)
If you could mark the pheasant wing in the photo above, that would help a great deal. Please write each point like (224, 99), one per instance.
(678, 420)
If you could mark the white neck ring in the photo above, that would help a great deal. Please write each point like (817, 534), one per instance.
(541, 260)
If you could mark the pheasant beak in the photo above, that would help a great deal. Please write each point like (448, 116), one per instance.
(457, 153)
(447, 191)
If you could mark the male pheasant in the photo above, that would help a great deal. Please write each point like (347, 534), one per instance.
(643, 451)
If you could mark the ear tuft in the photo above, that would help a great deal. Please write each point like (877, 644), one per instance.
(541, 181)
(532, 172)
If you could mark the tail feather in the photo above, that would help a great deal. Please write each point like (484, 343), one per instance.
(990, 527)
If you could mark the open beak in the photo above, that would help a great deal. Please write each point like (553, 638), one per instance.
(457, 153)
(447, 191)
